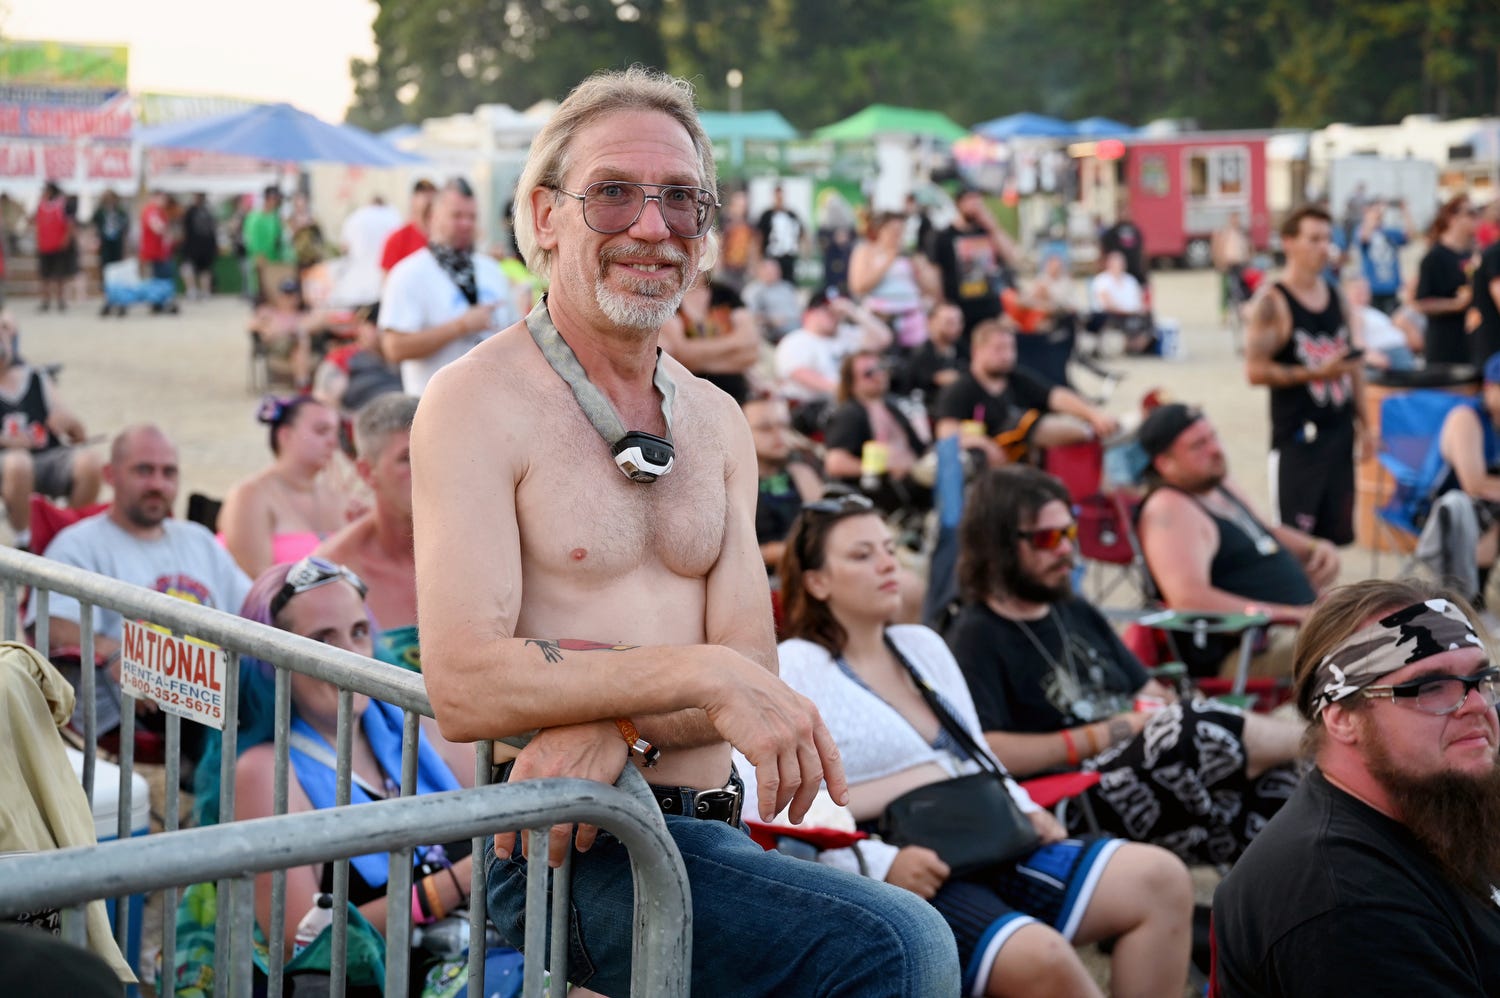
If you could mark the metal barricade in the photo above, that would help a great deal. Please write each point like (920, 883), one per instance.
(662, 925)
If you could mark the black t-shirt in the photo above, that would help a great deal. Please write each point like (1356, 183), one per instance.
(1487, 336)
(849, 428)
(967, 399)
(973, 273)
(1440, 276)
(1018, 688)
(777, 507)
(922, 366)
(1335, 898)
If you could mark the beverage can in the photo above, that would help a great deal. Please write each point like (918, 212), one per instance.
(971, 428)
(874, 458)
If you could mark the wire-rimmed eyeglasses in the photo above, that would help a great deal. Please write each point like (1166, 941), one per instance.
(611, 206)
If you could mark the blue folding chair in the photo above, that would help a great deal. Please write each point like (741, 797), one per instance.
(1409, 429)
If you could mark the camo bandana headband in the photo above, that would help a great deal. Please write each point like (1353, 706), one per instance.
(1395, 640)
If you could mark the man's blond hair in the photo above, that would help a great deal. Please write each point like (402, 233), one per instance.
(635, 89)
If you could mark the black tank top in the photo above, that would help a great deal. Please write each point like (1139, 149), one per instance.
(27, 416)
(1250, 561)
(1317, 337)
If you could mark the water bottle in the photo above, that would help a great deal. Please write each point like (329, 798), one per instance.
(318, 918)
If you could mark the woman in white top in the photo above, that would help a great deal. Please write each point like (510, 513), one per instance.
(1014, 925)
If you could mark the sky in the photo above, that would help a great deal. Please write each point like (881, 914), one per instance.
(271, 50)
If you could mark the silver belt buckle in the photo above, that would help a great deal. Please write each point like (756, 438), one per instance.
(706, 799)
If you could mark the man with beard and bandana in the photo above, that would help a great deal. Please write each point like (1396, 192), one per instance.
(1054, 686)
(625, 617)
(442, 301)
(1207, 549)
(1380, 875)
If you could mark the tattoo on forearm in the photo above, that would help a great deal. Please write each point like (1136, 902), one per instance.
(552, 649)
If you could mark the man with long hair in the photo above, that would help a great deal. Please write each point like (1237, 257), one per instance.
(1380, 875)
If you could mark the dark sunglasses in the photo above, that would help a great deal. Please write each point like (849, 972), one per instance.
(310, 573)
(1047, 540)
(1441, 694)
(840, 505)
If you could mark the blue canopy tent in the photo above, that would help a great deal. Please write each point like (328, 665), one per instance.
(1025, 125)
(1101, 128)
(277, 132)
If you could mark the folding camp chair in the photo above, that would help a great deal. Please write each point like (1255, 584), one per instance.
(1409, 428)
(1105, 515)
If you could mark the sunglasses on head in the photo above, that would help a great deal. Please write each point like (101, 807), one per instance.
(310, 573)
(1049, 538)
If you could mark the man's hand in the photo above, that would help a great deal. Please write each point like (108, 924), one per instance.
(783, 736)
(1321, 563)
(1335, 368)
(1047, 827)
(1103, 424)
(593, 751)
(476, 319)
(919, 870)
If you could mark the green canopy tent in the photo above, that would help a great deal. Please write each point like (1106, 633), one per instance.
(751, 126)
(884, 119)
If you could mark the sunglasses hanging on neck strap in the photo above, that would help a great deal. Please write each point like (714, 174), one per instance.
(642, 457)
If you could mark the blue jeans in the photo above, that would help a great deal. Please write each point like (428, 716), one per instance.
(763, 923)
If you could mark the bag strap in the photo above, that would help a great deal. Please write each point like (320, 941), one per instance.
(950, 724)
(321, 753)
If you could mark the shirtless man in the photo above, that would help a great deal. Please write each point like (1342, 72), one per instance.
(558, 595)
(1299, 345)
(377, 545)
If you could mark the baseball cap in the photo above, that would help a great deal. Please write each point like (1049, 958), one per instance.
(1165, 424)
(823, 296)
(1492, 370)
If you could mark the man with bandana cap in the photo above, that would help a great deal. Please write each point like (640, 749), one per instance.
(444, 299)
(1382, 874)
(1208, 550)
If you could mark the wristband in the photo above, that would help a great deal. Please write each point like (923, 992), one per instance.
(1088, 732)
(639, 747)
(463, 895)
(434, 902)
(1071, 748)
(419, 912)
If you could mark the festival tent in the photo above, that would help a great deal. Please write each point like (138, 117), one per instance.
(750, 126)
(277, 132)
(1101, 128)
(883, 119)
(1025, 125)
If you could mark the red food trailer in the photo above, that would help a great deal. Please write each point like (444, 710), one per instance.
(1179, 188)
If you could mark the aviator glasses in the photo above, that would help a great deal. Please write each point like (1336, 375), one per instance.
(611, 206)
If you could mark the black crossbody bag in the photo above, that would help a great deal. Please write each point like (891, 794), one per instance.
(971, 822)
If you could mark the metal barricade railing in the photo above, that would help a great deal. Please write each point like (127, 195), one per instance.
(352, 674)
(239, 850)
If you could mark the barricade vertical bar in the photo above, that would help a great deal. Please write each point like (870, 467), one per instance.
(75, 927)
(536, 910)
(562, 886)
(398, 883)
(90, 708)
(224, 958)
(280, 730)
(345, 739)
(170, 823)
(12, 610)
(484, 764)
(40, 598)
(122, 817)
(242, 921)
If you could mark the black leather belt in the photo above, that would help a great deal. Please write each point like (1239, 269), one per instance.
(722, 804)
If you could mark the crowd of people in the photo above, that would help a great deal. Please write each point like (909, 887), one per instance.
(775, 454)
